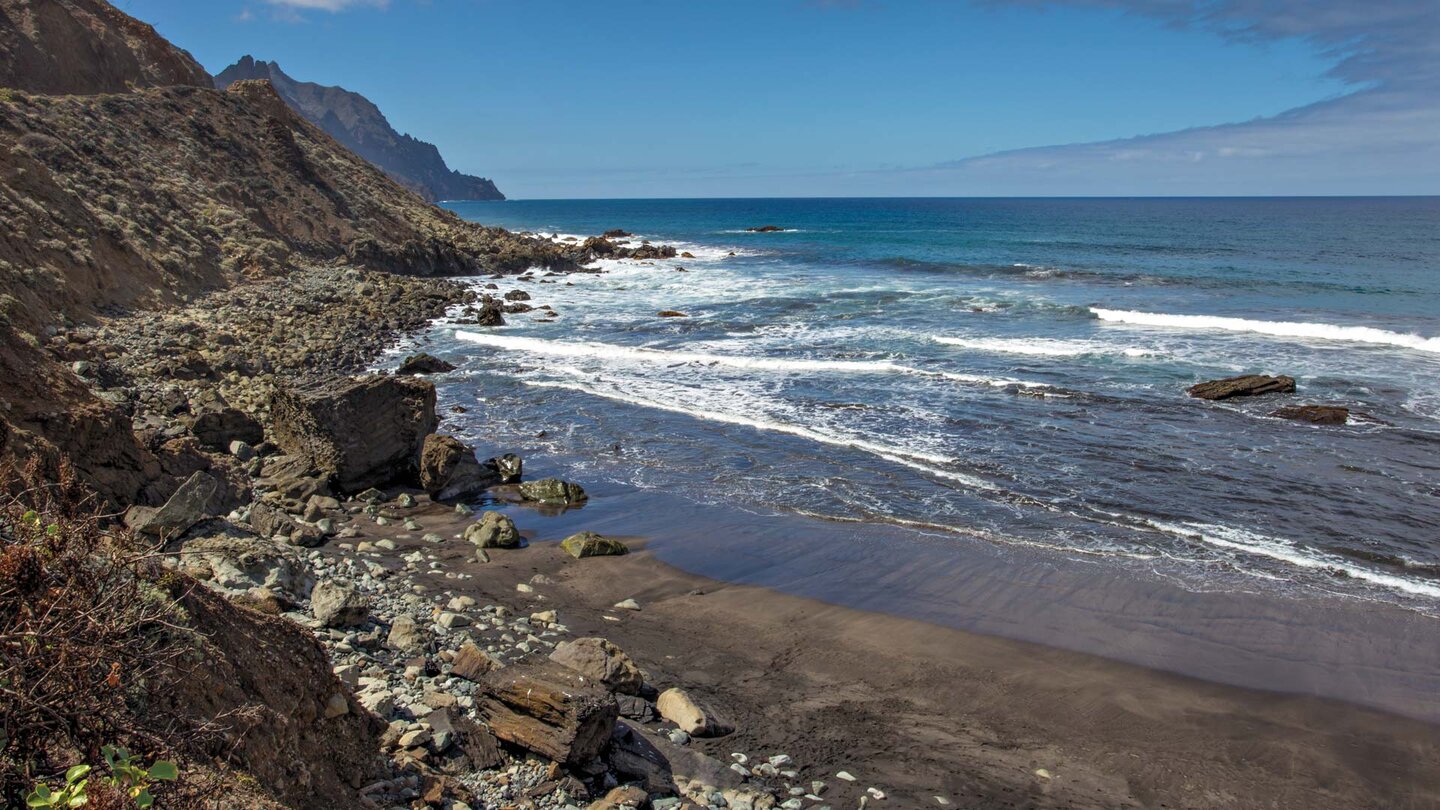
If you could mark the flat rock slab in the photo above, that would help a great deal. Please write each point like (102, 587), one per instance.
(1246, 385)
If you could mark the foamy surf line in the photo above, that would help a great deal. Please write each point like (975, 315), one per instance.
(905, 458)
(1038, 347)
(1287, 329)
(1286, 551)
(607, 351)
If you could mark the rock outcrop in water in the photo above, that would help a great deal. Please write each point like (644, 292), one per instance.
(1314, 414)
(1246, 385)
(358, 124)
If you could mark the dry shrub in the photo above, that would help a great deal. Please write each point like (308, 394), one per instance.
(86, 631)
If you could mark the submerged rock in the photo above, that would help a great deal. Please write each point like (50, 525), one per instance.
(672, 313)
(552, 490)
(590, 544)
(1246, 385)
(1315, 414)
(765, 229)
(424, 363)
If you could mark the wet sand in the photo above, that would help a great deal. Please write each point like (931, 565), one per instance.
(922, 710)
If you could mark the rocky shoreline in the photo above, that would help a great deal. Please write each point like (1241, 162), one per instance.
(293, 487)
(426, 575)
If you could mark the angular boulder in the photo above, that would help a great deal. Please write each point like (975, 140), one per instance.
(548, 709)
(360, 432)
(590, 544)
(509, 467)
(601, 661)
(472, 663)
(694, 717)
(182, 510)
(1245, 385)
(449, 469)
(552, 491)
(1314, 414)
(493, 530)
(336, 605)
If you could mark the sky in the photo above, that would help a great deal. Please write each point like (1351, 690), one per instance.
(764, 98)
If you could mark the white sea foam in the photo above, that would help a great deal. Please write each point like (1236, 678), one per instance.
(1286, 551)
(611, 352)
(1289, 329)
(1041, 347)
(914, 459)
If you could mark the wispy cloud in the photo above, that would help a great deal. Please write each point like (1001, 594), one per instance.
(1381, 136)
(328, 5)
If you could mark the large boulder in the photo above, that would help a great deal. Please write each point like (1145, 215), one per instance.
(184, 509)
(601, 661)
(548, 709)
(552, 491)
(493, 530)
(1246, 385)
(361, 432)
(449, 469)
(590, 544)
(233, 561)
(338, 605)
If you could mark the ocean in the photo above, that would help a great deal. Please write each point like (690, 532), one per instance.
(1003, 372)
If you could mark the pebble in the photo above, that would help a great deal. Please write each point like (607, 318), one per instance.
(628, 604)
(845, 775)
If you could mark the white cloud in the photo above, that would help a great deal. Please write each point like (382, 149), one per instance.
(328, 5)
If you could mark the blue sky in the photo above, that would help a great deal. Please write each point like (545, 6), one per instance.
(625, 98)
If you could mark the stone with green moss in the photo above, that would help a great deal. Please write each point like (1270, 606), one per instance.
(590, 544)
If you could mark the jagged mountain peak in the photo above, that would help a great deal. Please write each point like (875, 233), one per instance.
(356, 122)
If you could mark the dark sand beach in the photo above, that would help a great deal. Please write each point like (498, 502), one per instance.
(921, 710)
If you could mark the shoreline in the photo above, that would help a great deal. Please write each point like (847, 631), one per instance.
(918, 710)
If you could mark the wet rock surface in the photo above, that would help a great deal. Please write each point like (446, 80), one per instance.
(1245, 385)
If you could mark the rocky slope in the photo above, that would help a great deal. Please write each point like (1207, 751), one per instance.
(86, 47)
(358, 124)
(126, 200)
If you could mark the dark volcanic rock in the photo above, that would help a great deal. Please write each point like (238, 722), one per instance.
(765, 229)
(1246, 385)
(449, 469)
(361, 432)
(1315, 414)
(617, 233)
(217, 428)
(424, 363)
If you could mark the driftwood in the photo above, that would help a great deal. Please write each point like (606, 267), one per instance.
(548, 709)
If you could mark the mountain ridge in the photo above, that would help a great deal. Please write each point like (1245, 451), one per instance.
(359, 125)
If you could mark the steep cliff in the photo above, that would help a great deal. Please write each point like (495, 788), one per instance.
(358, 124)
(84, 47)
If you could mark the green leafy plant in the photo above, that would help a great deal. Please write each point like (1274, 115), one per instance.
(127, 775)
(72, 794)
(132, 777)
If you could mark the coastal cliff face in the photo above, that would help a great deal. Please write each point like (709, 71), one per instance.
(142, 186)
(86, 47)
(358, 124)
